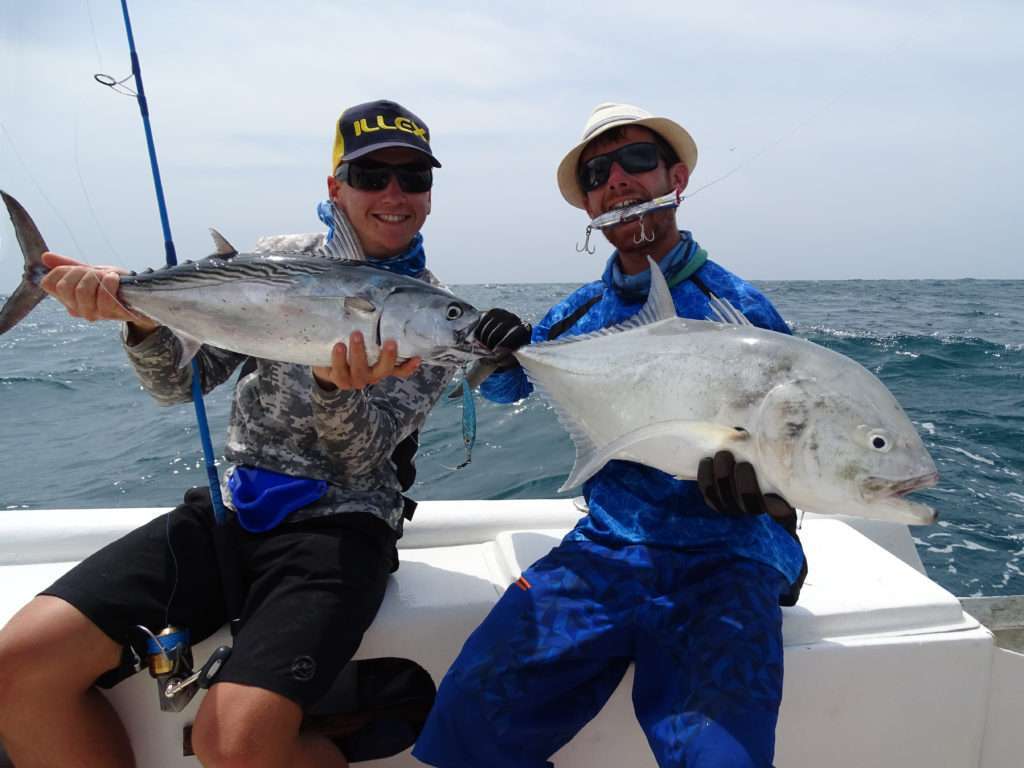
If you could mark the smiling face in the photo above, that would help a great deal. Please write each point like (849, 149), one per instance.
(624, 189)
(385, 220)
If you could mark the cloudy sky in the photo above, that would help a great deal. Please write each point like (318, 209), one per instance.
(856, 139)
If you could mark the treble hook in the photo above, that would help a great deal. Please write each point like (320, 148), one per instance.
(586, 243)
(644, 236)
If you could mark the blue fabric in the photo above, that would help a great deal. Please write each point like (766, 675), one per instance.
(411, 263)
(263, 499)
(704, 630)
(636, 287)
(633, 503)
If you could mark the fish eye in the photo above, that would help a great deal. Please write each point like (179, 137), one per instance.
(879, 442)
(454, 312)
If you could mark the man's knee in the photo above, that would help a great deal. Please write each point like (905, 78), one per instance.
(50, 649)
(240, 725)
(745, 743)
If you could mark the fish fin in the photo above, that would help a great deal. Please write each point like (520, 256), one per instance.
(189, 347)
(691, 441)
(344, 245)
(359, 305)
(585, 446)
(723, 311)
(28, 293)
(659, 305)
(20, 303)
(225, 250)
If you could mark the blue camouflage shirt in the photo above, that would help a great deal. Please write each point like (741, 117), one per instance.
(633, 503)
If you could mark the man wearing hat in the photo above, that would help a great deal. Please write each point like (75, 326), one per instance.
(682, 578)
(328, 449)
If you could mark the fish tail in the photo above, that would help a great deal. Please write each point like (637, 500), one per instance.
(28, 293)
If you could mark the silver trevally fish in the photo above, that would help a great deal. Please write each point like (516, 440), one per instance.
(664, 391)
(290, 307)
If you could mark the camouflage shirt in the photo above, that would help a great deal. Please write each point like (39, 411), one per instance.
(282, 420)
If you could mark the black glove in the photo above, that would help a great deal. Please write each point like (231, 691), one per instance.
(732, 489)
(501, 329)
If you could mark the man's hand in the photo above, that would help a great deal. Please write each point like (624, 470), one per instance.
(350, 369)
(89, 292)
(501, 329)
(732, 489)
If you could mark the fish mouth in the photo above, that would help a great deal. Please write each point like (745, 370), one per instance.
(880, 487)
(466, 346)
(885, 499)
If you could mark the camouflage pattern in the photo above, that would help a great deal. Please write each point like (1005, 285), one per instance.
(282, 420)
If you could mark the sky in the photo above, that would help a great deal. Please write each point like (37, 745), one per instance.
(836, 140)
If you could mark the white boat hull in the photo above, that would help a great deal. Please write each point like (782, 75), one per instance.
(883, 666)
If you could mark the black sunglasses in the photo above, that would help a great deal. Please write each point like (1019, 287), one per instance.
(413, 178)
(632, 158)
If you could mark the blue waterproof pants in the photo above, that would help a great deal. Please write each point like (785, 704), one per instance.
(704, 630)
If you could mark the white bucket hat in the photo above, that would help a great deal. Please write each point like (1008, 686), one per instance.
(607, 116)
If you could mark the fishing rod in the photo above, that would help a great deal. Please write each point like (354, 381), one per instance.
(169, 652)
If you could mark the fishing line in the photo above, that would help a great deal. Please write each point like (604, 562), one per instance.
(628, 214)
(85, 194)
(916, 30)
(39, 189)
(95, 40)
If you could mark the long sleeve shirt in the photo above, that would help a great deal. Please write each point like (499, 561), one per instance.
(282, 420)
(634, 503)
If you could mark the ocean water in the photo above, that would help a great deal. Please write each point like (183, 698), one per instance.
(76, 430)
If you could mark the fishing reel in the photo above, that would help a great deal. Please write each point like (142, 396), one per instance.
(169, 659)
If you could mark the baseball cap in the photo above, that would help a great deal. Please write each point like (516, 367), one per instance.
(375, 125)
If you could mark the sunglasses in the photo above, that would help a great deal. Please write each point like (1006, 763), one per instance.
(632, 158)
(413, 178)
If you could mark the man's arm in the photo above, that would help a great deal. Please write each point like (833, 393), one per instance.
(364, 426)
(156, 359)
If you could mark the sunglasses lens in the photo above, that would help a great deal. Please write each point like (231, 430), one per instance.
(412, 179)
(594, 173)
(633, 158)
(638, 158)
(368, 179)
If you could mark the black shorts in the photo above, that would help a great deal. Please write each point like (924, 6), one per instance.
(308, 591)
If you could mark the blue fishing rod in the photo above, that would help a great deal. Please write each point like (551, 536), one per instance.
(170, 659)
(172, 260)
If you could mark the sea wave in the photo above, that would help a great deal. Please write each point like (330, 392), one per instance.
(949, 351)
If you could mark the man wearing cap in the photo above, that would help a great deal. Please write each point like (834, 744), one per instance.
(682, 578)
(328, 449)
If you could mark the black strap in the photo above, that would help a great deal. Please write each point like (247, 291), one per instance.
(700, 284)
(404, 459)
(568, 322)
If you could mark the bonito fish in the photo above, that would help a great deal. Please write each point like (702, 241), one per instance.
(664, 391)
(290, 307)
